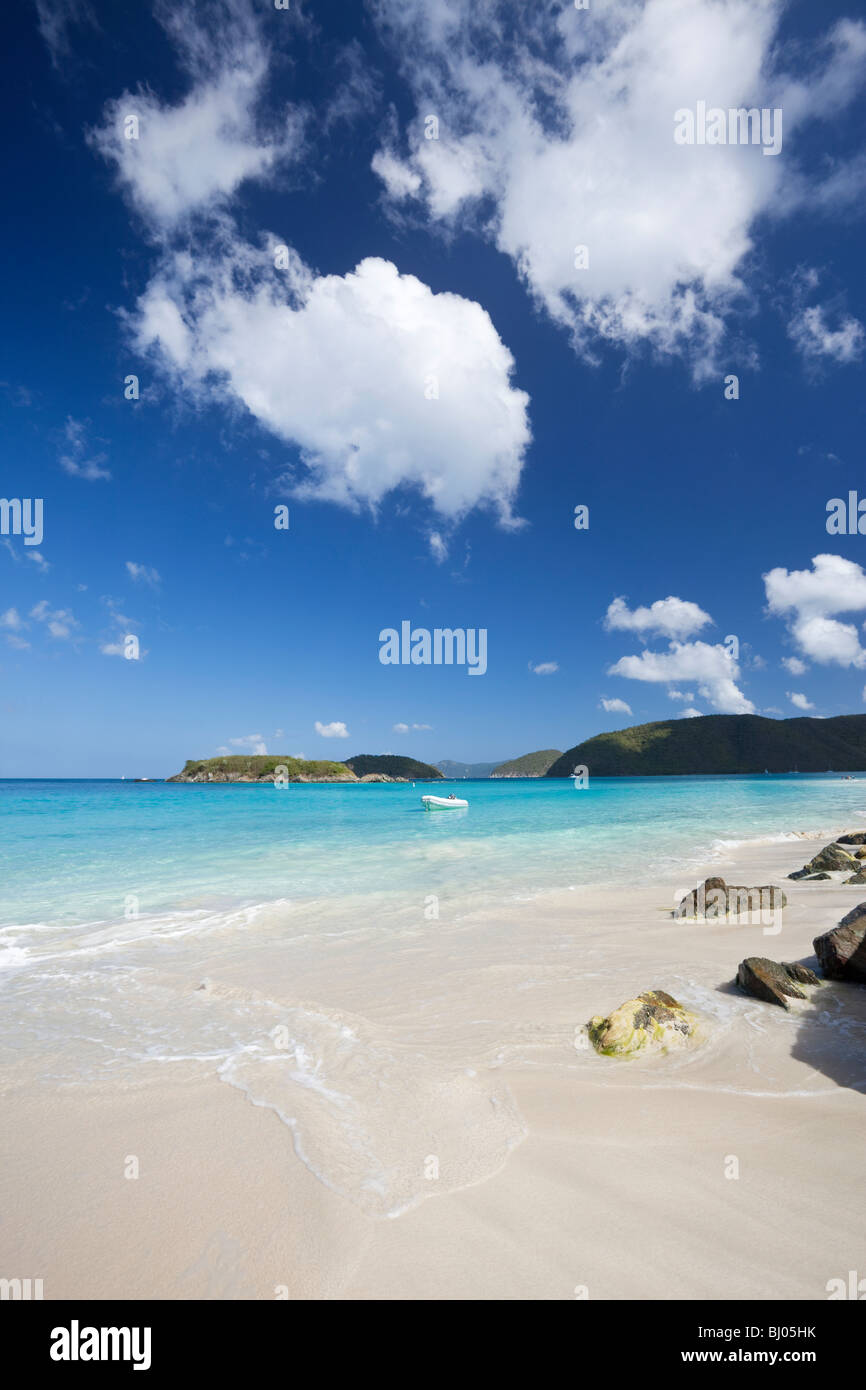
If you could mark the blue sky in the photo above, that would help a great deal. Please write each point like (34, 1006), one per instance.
(308, 384)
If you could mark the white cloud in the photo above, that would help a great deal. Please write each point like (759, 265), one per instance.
(558, 132)
(11, 619)
(615, 706)
(691, 713)
(335, 730)
(399, 728)
(59, 621)
(669, 617)
(544, 668)
(438, 547)
(685, 695)
(808, 601)
(814, 337)
(143, 574)
(359, 350)
(794, 665)
(799, 700)
(399, 179)
(191, 157)
(713, 667)
(77, 459)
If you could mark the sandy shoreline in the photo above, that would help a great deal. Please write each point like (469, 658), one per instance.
(618, 1184)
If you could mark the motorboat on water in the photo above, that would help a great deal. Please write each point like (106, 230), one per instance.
(442, 803)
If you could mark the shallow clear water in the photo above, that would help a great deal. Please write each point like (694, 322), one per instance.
(321, 948)
(77, 852)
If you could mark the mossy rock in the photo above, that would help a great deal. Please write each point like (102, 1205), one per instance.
(653, 1022)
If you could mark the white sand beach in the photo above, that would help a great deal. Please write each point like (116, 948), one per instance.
(457, 1139)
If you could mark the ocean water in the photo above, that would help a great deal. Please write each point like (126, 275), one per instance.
(81, 852)
(360, 967)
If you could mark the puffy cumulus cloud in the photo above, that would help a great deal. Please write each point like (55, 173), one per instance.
(799, 701)
(557, 132)
(794, 666)
(808, 601)
(814, 337)
(713, 668)
(336, 729)
(684, 695)
(191, 157)
(544, 668)
(342, 366)
(668, 617)
(614, 706)
(691, 713)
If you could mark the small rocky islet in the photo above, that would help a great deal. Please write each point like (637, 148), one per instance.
(656, 1022)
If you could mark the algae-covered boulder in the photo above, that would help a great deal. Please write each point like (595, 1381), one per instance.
(772, 982)
(854, 837)
(859, 877)
(653, 1022)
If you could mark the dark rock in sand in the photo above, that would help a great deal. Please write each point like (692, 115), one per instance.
(814, 878)
(722, 899)
(828, 860)
(859, 877)
(842, 950)
(854, 837)
(772, 982)
(831, 857)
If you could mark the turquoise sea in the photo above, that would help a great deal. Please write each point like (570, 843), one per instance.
(77, 852)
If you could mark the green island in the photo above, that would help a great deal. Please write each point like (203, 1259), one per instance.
(261, 767)
(530, 765)
(722, 743)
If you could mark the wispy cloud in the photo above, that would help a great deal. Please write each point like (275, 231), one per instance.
(143, 574)
(77, 459)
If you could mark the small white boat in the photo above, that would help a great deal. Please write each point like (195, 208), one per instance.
(442, 803)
